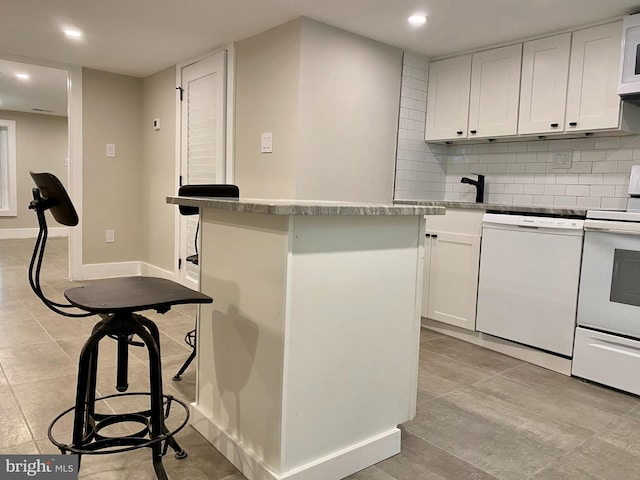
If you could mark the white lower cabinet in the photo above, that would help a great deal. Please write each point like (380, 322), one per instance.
(452, 259)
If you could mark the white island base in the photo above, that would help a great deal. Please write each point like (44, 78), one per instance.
(308, 357)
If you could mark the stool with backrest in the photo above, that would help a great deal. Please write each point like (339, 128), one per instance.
(117, 302)
(207, 190)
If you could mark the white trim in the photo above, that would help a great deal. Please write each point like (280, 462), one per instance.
(74, 120)
(230, 131)
(8, 233)
(522, 352)
(338, 465)
(96, 271)
(148, 270)
(9, 194)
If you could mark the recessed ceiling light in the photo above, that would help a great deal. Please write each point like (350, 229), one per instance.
(71, 33)
(417, 20)
(22, 76)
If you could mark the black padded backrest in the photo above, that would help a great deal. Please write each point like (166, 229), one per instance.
(208, 190)
(56, 198)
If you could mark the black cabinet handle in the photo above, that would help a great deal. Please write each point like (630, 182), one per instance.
(554, 125)
(434, 235)
(473, 132)
(573, 124)
(459, 132)
(428, 235)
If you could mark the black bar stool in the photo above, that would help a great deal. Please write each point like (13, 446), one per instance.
(219, 190)
(116, 301)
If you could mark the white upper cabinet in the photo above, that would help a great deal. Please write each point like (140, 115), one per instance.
(543, 94)
(448, 98)
(592, 100)
(495, 92)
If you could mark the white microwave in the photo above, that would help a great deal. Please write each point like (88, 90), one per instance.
(629, 84)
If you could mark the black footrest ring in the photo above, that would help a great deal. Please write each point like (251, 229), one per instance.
(97, 443)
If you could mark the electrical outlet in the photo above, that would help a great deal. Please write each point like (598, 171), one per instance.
(111, 236)
(562, 159)
(266, 142)
(111, 150)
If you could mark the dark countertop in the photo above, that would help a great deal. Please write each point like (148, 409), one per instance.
(499, 207)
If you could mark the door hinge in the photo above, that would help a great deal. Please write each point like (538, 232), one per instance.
(179, 264)
(180, 181)
(181, 90)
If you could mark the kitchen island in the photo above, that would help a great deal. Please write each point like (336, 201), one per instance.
(308, 357)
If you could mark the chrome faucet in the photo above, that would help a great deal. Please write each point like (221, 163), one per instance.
(479, 184)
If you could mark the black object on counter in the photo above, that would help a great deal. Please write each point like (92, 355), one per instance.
(479, 184)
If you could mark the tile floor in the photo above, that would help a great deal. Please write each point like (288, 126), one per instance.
(481, 415)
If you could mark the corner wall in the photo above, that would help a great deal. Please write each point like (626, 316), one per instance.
(158, 176)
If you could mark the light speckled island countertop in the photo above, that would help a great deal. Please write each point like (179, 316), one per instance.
(500, 207)
(306, 207)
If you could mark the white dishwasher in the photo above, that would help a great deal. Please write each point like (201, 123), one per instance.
(529, 275)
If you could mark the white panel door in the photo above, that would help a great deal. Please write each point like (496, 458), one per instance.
(202, 142)
(495, 92)
(448, 98)
(592, 100)
(543, 95)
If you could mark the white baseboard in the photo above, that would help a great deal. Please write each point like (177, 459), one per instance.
(537, 357)
(148, 270)
(9, 233)
(96, 271)
(334, 466)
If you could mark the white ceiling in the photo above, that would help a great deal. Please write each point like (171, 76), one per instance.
(141, 37)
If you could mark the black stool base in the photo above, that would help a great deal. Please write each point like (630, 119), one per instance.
(96, 443)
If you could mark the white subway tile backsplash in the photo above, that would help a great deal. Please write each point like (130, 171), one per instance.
(604, 167)
(526, 157)
(591, 179)
(496, 168)
(578, 190)
(607, 143)
(523, 199)
(631, 141)
(603, 190)
(592, 156)
(513, 188)
(533, 188)
(614, 203)
(536, 168)
(625, 167)
(516, 167)
(619, 154)
(538, 146)
(568, 179)
(588, 202)
(517, 147)
(583, 144)
(580, 167)
(564, 201)
(555, 190)
(544, 178)
(622, 191)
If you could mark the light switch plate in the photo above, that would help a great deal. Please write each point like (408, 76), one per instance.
(266, 142)
(562, 159)
(111, 150)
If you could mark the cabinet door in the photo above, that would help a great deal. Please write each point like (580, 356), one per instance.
(453, 279)
(543, 88)
(448, 98)
(592, 100)
(495, 92)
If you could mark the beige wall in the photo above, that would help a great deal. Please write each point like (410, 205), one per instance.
(112, 187)
(158, 218)
(348, 116)
(331, 100)
(267, 69)
(41, 146)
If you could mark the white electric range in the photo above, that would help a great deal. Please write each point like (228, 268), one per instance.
(607, 341)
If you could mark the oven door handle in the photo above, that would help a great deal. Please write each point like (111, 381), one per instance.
(609, 226)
